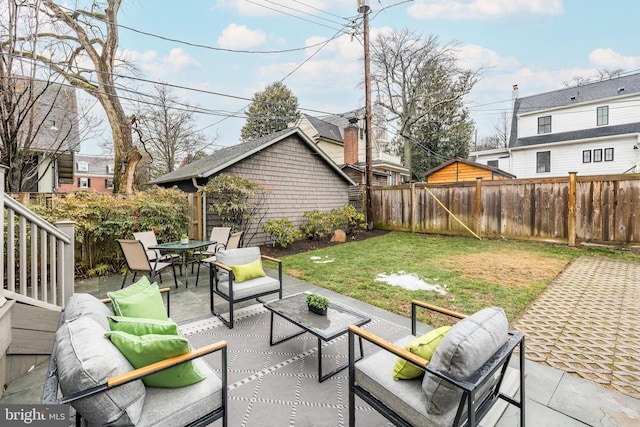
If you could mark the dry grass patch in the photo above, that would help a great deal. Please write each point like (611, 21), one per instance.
(516, 268)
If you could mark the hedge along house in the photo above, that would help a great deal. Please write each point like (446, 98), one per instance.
(295, 174)
(459, 170)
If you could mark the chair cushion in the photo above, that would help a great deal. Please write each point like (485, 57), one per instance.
(85, 358)
(237, 256)
(250, 287)
(424, 347)
(462, 351)
(141, 326)
(86, 305)
(147, 349)
(405, 398)
(147, 304)
(177, 407)
(244, 272)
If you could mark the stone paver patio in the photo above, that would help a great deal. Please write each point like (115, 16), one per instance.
(587, 322)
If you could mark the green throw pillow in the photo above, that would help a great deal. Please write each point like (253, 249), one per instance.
(132, 289)
(146, 303)
(141, 326)
(147, 349)
(424, 347)
(248, 271)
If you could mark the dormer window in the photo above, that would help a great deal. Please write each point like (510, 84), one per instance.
(82, 166)
(109, 168)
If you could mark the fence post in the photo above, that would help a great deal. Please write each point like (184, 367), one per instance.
(412, 198)
(571, 220)
(68, 273)
(477, 207)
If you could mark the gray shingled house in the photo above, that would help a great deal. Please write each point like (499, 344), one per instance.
(296, 174)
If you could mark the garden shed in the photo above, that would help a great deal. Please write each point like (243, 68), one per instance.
(294, 173)
(459, 170)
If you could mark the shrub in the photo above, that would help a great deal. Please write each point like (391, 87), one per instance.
(103, 218)
(349, 219)
(318, 224)
(282, 231)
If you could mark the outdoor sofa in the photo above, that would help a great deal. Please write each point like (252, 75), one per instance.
(89, 371)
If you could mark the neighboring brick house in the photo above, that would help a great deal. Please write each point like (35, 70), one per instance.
(592, 129)
(91, 173)
(296, 174)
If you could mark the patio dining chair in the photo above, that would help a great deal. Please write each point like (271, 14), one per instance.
(148, 239)
(137, 261)
(232, 243)
(220, 235)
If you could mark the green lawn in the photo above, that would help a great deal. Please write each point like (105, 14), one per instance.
(475, 273)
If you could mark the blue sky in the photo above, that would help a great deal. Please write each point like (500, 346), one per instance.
(540, 45)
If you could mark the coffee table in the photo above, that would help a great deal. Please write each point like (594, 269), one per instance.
(336, 322)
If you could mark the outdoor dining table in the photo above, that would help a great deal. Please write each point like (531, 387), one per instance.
(182, 249)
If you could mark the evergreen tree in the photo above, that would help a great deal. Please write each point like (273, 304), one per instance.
(270, 111)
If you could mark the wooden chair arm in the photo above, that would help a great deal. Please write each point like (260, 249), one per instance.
(222, 266)
(267, 257)
(389, 346)
(162, 290)
(164, 364)
(438, 309)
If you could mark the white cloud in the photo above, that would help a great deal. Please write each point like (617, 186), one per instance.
(483, 9)
(610, 59)
(473, 56)
(160, 67)
(241, 37)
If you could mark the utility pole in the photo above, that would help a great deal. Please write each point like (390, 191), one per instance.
(363, 7)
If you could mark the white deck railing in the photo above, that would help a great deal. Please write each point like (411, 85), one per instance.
(38, 263)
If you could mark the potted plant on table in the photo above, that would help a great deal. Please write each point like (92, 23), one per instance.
(317, 304)
(184, 239)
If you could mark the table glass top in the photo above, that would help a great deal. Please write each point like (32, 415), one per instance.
(193, 244)
(338, 318)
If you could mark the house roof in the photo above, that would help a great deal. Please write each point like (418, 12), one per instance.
(98, 165)
(228, 156)
(325, 129)
(341, 121)
(470, 163)
(602, 90)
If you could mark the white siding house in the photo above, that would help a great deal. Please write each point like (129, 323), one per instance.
(593, 129)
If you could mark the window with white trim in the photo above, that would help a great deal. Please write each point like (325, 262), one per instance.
(543, 161)
(84, 182)
(603, 115)
(544, 124)
(82, 166)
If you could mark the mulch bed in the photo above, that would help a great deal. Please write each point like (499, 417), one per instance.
(306, 245)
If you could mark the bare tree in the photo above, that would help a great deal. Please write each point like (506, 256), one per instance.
(73, 39)
(500, 136)
(167, 131)
(416, 77)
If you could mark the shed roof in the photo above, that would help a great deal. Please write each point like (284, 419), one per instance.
(470, 163)
(225, 157)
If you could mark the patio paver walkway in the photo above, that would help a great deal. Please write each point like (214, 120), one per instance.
(587, 322)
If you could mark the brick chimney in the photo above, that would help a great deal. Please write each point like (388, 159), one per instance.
(351, 144)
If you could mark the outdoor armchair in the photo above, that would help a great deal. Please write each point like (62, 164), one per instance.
(237, 275)
(137, 261)
(460, 384)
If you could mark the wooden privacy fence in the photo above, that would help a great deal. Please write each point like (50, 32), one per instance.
(590, 209)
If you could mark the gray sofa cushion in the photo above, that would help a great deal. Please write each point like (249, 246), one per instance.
(462, 351)
(169, 407)
(85, 358)
(404, 397)
(87, 305)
